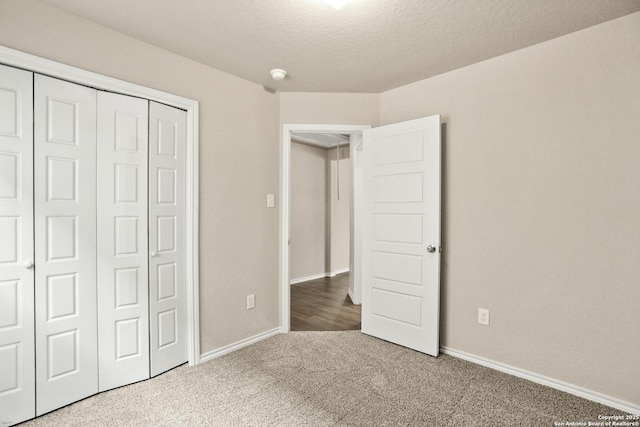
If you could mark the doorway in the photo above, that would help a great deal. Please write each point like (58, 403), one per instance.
(354, 134)
(396, 222)
(319, 248)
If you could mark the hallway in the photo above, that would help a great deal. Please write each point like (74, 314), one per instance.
(323, 305)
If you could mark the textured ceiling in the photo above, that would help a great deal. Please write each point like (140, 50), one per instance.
(369, 46)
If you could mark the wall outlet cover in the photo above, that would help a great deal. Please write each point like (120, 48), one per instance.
(483, 316)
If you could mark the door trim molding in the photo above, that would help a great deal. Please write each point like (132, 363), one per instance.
(50, 68)
(285, 204)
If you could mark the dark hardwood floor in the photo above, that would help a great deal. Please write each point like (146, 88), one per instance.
(323, 305)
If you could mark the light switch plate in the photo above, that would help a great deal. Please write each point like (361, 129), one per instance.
(271, 200)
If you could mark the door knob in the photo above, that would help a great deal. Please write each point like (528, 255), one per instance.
(28, 264)
(154, 254)
(431, 249)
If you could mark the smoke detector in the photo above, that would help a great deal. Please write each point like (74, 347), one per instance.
(278, 74)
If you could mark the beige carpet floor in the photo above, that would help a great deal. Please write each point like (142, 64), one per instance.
(328, 378)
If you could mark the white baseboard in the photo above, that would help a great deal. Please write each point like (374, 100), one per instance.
(238, 345)
(546, 381)
(335, 273)
(318, 276)
(307, 278)
(353, 299)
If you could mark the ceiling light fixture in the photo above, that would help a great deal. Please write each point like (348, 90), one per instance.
(278, 74)
(337, 4)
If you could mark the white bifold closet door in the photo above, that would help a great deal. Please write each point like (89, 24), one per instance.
(167, 269)
(123, 310)
(17, 355)
(65, 236)
(92, 242)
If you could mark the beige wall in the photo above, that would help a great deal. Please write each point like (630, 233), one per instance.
(238, 158)
(340, 209)
(308, 211)
(542, 205)
(329, 108)
(319, 221)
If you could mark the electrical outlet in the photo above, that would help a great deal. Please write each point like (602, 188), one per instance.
(483, 316)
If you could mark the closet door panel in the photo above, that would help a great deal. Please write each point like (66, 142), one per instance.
(167, 293)
(17, 355)
(65, 232)
(122, 240)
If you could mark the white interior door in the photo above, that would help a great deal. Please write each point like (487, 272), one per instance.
(123, 295)
(65, 229)
(401, 233)
(167, 269)
(17, 352)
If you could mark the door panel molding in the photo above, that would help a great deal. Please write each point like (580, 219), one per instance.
(65, 256)
(17, 346)
(123, 285)
(167, 296)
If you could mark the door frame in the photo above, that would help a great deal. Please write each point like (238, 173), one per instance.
(50, 68)
(285, 207)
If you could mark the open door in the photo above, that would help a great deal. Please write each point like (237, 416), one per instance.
(401, 233)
